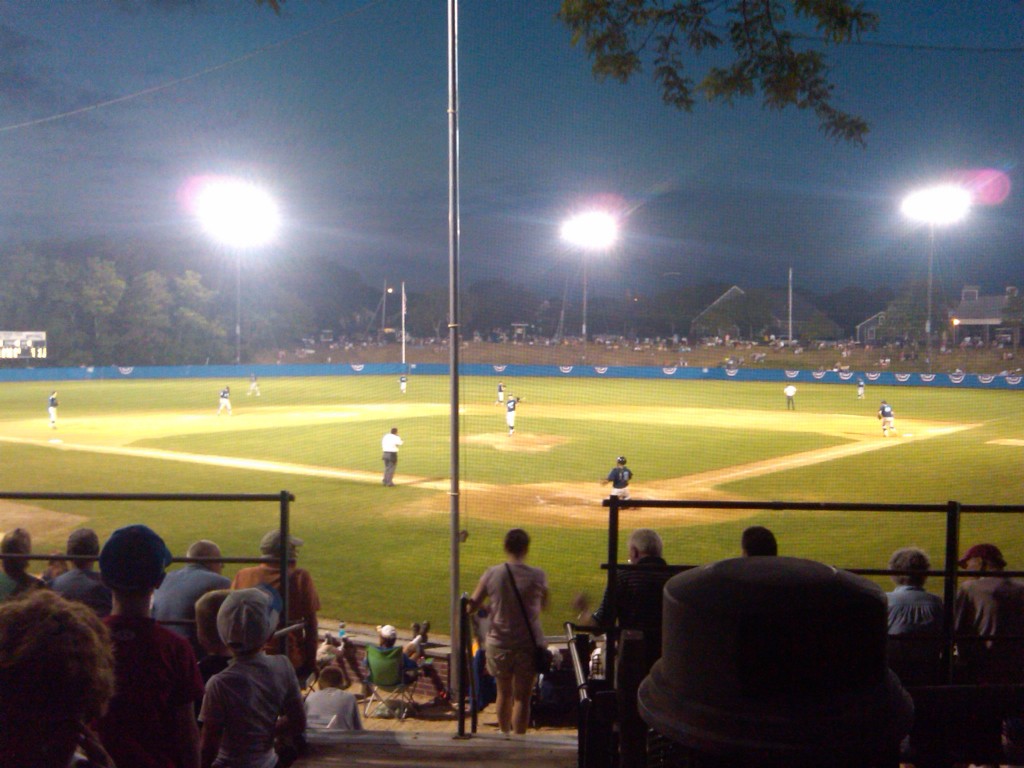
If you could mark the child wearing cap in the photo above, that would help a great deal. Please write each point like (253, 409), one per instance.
(151, 720)
(257, 697)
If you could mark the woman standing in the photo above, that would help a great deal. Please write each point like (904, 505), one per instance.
(512, 636)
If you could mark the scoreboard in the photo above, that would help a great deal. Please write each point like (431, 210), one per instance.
(22, 345)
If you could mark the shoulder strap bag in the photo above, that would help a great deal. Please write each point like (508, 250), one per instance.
(541, 655)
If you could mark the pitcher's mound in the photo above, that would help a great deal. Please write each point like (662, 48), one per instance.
(520, 441)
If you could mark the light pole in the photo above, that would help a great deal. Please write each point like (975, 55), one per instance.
(384, 310)
(590, 231)
(240, 215)
(935, 206)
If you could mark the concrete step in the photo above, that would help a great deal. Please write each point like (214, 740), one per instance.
(382, 749)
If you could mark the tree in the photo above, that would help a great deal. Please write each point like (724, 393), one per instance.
(146, 336)
(198, 336)
(101, 291)
(769, 56)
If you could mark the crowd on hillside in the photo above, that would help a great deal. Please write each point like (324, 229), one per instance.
(133, 665)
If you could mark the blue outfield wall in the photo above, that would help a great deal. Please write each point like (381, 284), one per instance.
(235, 372)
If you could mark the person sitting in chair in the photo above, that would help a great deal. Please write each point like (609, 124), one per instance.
(413, 659)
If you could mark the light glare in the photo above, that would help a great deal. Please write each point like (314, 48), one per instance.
(237, 213)
(594, 230)
(944, 204)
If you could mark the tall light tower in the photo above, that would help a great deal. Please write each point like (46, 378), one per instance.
(590, 231)
(241, 216)
(936, 206)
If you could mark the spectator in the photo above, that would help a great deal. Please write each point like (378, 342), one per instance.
(638, 592)
(55, 566)
(915, 620)
(413, 658)
(82, 583)
(151, 721)
(257, 697)
(512, 637)
(330, 707)
(215, 655)
(56, 675)
(303, 600)
(638, 597)
(758, 541)
(339, 651)
(174, 602)
(16, 580)
(989, 607)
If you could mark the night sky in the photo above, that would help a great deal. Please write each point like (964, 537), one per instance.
(339, 109)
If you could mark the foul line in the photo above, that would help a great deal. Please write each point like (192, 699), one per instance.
(230, 462)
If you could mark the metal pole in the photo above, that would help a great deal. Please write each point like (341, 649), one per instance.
(383, 310)
(949, 583)
(584, 308)
(454, 337)
(928, 320)
(238, 308)
(613, 574)
(285, 527)
(403, 323)
(790, 332)
(584, 301)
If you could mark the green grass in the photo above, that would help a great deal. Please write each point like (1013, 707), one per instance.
(376, 560)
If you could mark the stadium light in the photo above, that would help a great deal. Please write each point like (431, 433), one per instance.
(590, 231)
(241, 216)
(937, 206)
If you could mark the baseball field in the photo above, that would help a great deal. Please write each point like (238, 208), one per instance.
(381, 554)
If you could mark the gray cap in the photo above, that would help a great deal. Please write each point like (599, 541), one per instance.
(247, 618)
(271, 543)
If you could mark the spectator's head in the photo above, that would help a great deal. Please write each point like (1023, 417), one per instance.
(271, 544)
(983, 557)
(758, 541)
(16, 541)
(133, 560)
(644, 542)
(247, 618)
(206, 548)
(915, 564)
(517, 542)
(331, 676)
(86, 543)
(387, 634)
(56, 673)
(207, 608)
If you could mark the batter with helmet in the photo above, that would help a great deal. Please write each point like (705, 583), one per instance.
(619, 477)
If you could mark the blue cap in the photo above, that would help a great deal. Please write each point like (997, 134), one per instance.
(134, 559)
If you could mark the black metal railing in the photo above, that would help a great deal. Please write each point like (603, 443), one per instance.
(283, 499)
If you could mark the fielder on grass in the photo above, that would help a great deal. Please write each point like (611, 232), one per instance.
(225, 400)
(51, 408)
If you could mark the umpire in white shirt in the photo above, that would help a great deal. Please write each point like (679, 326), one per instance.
(389, 445)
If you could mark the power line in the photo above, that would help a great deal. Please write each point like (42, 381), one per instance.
(921, 46)
(194, 76)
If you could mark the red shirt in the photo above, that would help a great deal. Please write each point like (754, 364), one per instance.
(156, 674)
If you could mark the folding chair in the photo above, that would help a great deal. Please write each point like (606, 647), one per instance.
(390, 685)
